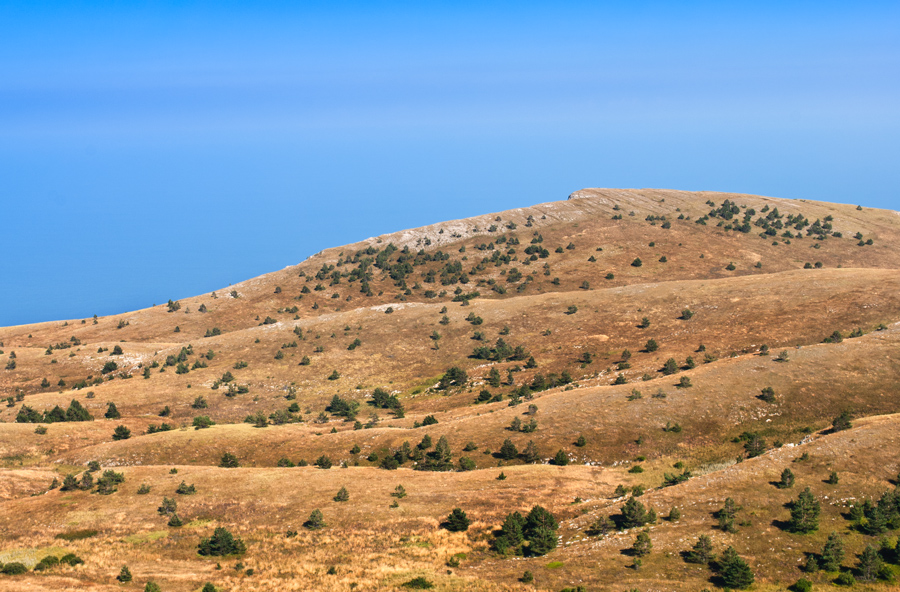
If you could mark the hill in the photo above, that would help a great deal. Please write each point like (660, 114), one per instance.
(690, 345)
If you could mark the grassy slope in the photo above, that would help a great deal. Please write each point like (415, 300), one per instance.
(778, 304)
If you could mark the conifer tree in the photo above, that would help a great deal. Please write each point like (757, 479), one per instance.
(787, 479)
(701, 552)
(805, 512)
(633, 514)
(508, 450)
(734, 571)
(457, 521)
(112, 412)
(315, 521)
(832, 553)
(124, 574)
(642, 545)
(870, 563)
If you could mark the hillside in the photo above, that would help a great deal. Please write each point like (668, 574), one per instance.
(616, 339)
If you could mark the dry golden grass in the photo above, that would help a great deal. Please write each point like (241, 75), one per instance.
(372, 546)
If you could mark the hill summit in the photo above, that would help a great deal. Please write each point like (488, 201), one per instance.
(628, 389)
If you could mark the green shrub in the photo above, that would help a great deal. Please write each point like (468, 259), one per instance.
(46, 563)
(845, 579)
(13, 569)
(71, 559)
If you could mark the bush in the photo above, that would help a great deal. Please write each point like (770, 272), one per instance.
(221, 543)
(418, 583)
(152, 586)
(466, 464)
(845, 579)
(202, 421)
(342, 495)
(13, 569)
(71, 559)
(46, 563)
(801, 585)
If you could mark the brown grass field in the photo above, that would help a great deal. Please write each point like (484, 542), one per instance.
(751, 297)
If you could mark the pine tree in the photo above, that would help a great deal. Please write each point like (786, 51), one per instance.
(508, 450)
(841, 422)
(511, 535)
(670, 367)
(87, 481)
(112, 412)
(727, 515)
(642, 545)
(734, 571)
(342, 495)
(832, 553)
(168, 506)
(457, 521)
(787, 479)
(124, 574)
(602, 526)
(121, 433)
(315, 521)
(540, 531)
(805, 512)
(229, 461)
(560, 459)
(633, 514)
(530, 455)
(221, 542)
(701, 552)
(870, 563)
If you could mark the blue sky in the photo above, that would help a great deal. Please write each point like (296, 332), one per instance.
(159, 150)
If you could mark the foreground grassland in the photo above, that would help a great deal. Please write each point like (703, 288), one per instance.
(672, 348)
